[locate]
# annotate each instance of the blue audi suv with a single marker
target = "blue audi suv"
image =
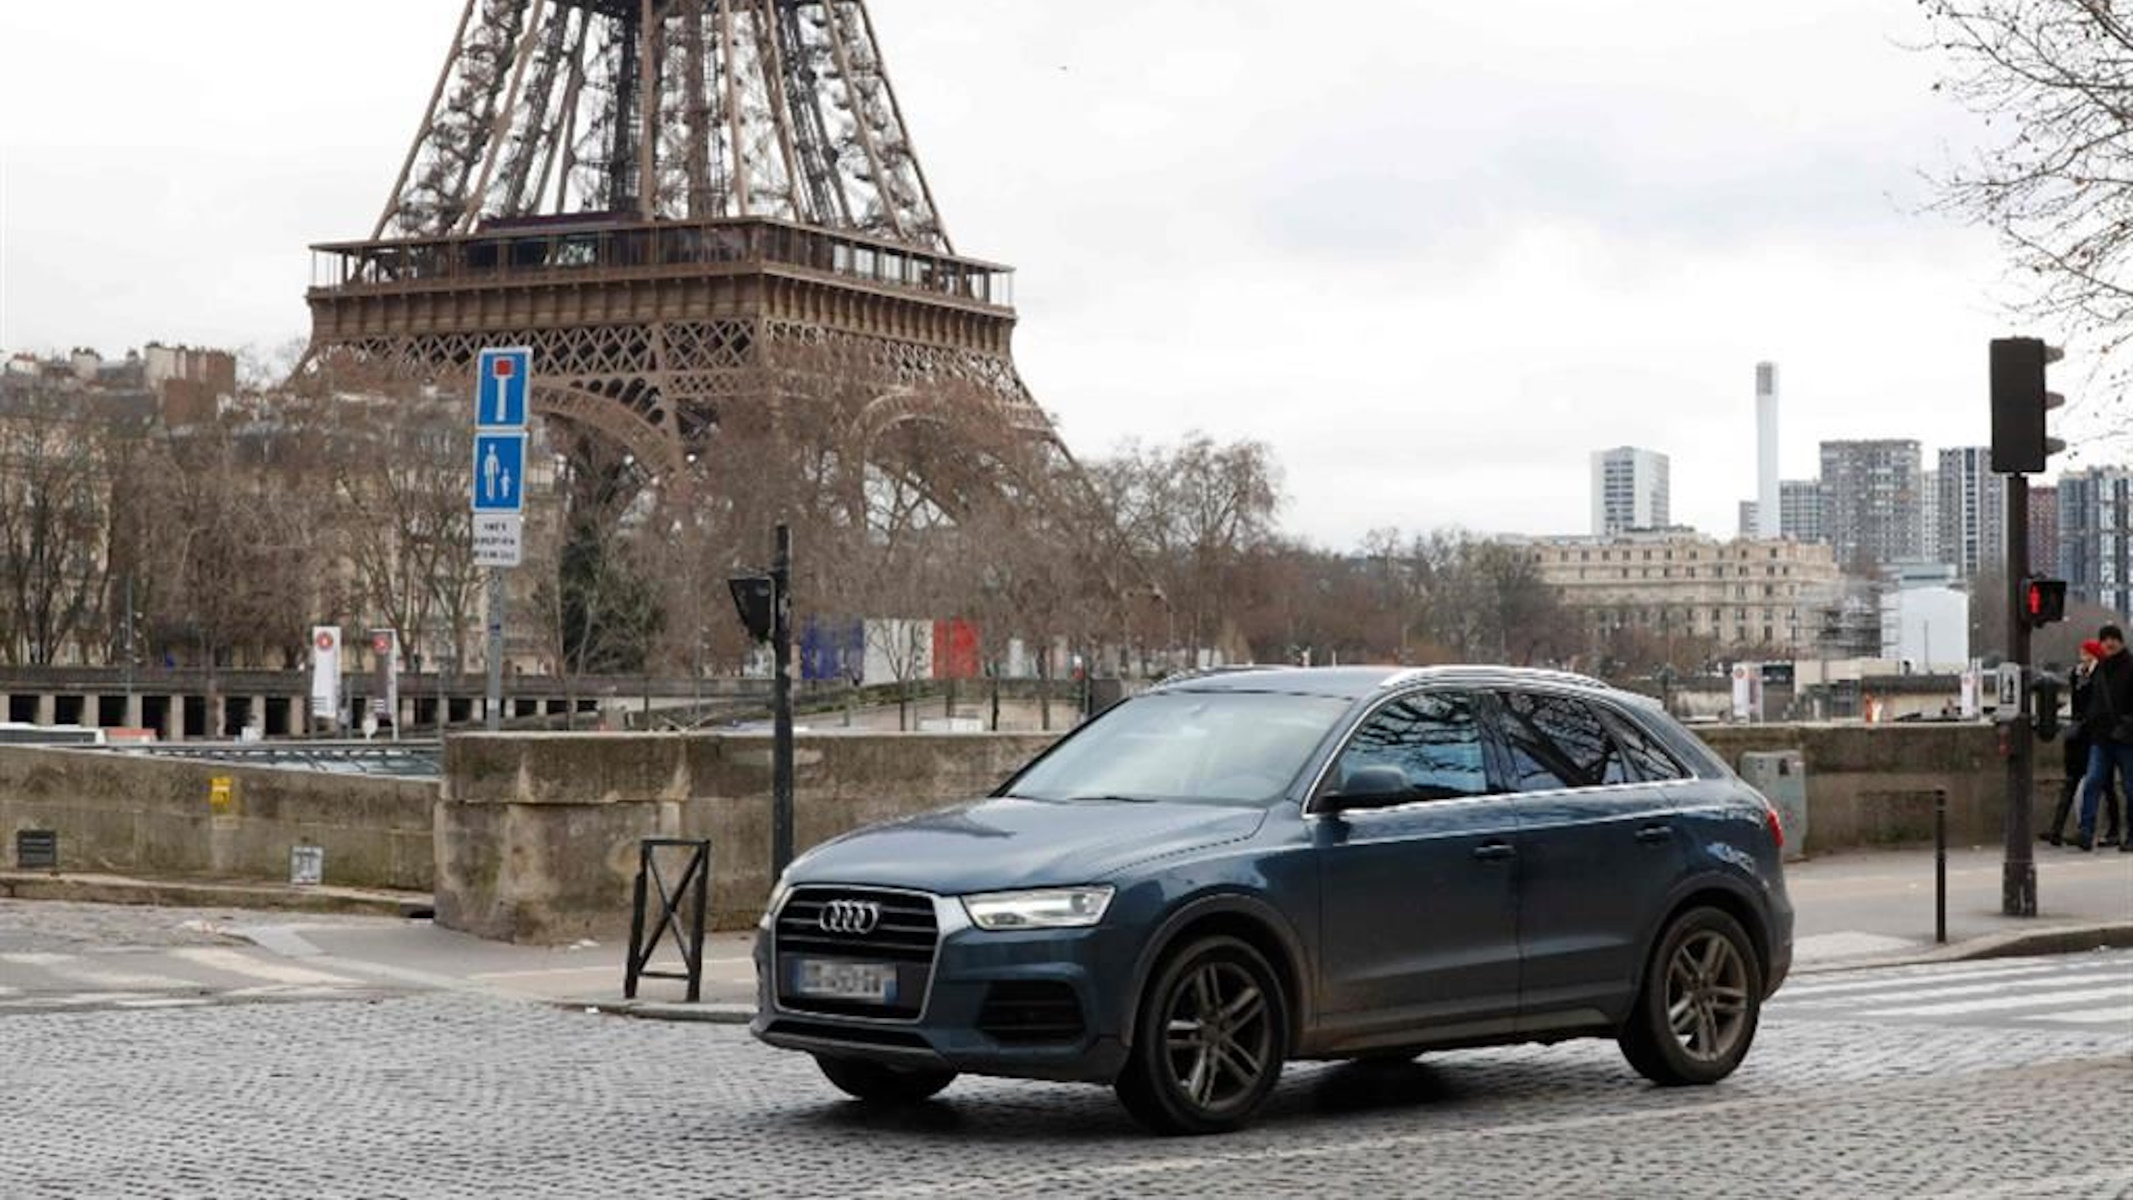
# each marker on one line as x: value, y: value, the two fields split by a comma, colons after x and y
x: 1248, y: 867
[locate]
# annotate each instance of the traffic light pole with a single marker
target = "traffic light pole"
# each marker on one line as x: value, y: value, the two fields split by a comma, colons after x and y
x: 2018, y: 885
x: 781, y: 816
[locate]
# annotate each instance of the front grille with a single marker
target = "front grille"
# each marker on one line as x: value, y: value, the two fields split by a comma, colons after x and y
x: 905, y: 938
x: 1031, y: 1012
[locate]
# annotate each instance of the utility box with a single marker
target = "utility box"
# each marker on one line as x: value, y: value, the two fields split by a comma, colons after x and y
x: 1781, y: 776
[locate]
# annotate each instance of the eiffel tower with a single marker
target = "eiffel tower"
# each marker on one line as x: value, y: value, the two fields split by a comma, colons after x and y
x: 707, y: 219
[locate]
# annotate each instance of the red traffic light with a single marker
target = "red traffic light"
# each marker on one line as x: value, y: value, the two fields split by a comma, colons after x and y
x: 2045, y: 601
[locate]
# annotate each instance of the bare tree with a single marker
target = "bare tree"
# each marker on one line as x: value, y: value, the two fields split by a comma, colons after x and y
x: 400, y: 463
x: 1194, y: 514
x: 51, y: 529
x: 2053, y: 78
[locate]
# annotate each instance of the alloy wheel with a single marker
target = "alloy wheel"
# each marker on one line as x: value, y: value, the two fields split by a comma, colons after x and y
x: 1218, y: 1035
x: 1707, y: 996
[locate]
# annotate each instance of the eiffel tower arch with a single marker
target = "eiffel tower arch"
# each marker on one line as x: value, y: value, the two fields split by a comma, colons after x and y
x: 708, y: 220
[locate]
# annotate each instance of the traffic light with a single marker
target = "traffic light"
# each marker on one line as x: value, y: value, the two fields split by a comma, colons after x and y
x: 2020, y: 400
x: 2045, y: 602
x: 755, y: 597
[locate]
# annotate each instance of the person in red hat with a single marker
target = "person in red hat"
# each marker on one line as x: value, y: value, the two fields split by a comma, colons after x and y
x: 2075, y: 743
x: 2109, y: 727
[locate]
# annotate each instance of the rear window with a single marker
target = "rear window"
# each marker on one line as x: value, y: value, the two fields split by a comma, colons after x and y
x: 1646, y: 755
x: 1559, y: 742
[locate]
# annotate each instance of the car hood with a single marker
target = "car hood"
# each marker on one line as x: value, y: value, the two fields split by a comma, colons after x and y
x: 1008, y: 842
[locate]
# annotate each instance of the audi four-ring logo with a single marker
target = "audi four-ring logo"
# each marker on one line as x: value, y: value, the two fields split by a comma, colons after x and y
x: 849, y: 916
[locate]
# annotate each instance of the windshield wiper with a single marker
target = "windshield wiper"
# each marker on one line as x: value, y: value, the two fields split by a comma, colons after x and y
x: 1114, y: 799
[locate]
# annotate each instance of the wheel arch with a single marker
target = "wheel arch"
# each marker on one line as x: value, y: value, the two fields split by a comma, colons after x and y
x: 1250, y: 921
x: 1727, y: 898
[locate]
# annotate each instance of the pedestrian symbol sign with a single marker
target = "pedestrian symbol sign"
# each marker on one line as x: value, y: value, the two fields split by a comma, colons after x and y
x: 506, y: 376
x: 500, y: 473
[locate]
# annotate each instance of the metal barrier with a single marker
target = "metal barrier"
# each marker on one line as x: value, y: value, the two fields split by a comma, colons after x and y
x: 692, y: 888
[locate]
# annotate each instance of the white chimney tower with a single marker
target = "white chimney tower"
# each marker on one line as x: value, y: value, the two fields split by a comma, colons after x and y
x: 1768, y: 510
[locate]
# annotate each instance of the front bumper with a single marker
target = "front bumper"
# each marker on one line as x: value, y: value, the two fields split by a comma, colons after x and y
x: 1095, y: 964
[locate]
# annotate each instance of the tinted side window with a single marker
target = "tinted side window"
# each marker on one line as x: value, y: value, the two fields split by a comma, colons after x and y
x: 1433, y: 740
x: 1644, y: 752
x: 1558, y: 742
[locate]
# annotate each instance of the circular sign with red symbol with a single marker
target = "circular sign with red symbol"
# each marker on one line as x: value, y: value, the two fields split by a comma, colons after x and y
x: 381, y: 643
x: 326, y: 640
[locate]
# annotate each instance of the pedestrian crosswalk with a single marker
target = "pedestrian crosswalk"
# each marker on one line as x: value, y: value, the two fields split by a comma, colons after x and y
x: 184, y: 977
x: 2079, y: 992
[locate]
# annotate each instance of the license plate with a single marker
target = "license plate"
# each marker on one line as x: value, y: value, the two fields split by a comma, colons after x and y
x: 826, y: 979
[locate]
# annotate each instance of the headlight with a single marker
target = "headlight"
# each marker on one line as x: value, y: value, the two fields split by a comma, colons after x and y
x: 1052, y: 908
x: 776, y: 902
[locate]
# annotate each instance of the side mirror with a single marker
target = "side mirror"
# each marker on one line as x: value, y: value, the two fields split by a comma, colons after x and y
x: 1362, y: 788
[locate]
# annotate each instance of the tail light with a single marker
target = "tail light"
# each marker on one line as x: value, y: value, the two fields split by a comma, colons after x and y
x: 1777, y: 824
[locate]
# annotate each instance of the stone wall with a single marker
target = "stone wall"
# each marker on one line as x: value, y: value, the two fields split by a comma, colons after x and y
x: 1874, y: 786
x: 125, y: 814
x: 537, y: 835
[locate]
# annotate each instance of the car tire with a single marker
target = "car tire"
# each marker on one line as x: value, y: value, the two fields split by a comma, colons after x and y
x: 1701, y: 1000
x: 879, y: 1083
x: 1213, y: 1032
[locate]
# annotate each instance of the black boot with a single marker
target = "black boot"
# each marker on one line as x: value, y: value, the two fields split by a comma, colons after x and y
x: 2051, y: 835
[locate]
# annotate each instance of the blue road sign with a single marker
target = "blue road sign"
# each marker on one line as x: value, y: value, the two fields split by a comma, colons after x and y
x: 500, y: 402
x: 500, y: 473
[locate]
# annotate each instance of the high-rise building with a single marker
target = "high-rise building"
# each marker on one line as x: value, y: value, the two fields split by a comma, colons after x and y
x: 2043, y: 531
x: 1768, y: 506
x: 1800, y: 510
x: 1871, y: 501
x: 1929, y: 518
x: 1969, y: 532
x: 1629, y: 491
x: 1750, y: 518
x: 2096, y: 537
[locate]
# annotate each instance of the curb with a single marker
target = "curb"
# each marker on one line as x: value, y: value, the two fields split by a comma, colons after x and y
x: 108, y: 889
x: 662, y: 1010
x: 2020, y: 943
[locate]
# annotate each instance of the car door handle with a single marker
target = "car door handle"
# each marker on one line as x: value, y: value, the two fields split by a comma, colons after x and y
x: 1494, y: 851
x: 1652, y: 835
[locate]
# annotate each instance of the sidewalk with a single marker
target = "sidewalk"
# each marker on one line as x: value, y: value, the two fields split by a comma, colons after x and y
x: 1876, y: 908
x: 1854, y: 910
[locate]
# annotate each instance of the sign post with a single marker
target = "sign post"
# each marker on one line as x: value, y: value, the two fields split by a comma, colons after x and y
x: 501, y: 404
x: 385, y: 703
x: 326, y: 674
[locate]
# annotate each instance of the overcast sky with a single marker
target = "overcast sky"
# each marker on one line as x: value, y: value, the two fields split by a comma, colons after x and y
x: 1433, y: 253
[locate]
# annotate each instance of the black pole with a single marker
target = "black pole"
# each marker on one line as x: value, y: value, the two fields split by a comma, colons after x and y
x: 1940, y: 866
x: 2018, y: 884
x: 781, y: 706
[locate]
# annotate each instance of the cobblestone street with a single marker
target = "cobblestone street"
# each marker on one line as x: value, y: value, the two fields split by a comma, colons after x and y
x: 439, y: 1095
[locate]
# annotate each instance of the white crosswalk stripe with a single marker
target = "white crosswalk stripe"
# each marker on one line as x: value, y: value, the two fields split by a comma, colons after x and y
x: 2116, y: 1015
x: 272, y: 970
x: 177, y: 978
x: 2002, y: 1003
x: 1884, y: 980
x: 2091, y: 993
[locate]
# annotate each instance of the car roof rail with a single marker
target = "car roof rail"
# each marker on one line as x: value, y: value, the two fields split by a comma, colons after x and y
x: 1209, y: 673
x: 1533, y: 674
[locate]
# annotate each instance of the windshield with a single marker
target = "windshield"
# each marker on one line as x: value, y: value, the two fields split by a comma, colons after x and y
x: 1196, y: 747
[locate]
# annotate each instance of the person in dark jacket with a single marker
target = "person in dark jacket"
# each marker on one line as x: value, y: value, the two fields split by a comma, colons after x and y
x: 2074, y: 744
x: 2110, y: 728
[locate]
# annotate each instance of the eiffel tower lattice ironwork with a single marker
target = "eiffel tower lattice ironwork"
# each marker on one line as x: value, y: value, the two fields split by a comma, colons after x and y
x: 703, y: 215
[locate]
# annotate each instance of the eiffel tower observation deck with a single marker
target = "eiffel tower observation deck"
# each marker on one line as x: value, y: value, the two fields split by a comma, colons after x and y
x: 703, y: 215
